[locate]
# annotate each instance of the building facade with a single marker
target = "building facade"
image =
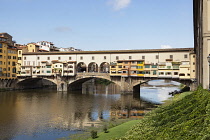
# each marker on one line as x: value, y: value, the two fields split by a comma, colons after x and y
x: 8, y: 57
x: 202, y: 40
x: 158, y: 63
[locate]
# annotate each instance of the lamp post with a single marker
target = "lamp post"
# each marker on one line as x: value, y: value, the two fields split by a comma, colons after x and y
x: 208, y: 58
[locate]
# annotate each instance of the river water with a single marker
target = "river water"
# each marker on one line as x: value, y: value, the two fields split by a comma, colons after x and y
x: 47, y: 115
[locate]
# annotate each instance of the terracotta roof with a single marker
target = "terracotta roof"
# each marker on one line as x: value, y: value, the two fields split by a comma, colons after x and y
x: 128, y: 60
x: 71, y: 61
x: 115, y: 51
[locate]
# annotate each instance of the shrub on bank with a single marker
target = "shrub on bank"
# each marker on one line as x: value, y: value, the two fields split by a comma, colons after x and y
x: 188, y: 118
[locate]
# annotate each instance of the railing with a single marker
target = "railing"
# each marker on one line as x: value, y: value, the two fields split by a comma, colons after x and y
x: 92, y: 74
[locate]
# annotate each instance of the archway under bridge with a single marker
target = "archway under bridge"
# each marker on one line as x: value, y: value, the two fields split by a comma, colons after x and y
x: 31, y: 83
x: 168, y: 82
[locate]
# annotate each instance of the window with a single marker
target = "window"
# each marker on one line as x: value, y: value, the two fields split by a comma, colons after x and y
x: 13, y: 63
x: 117, y: 57
x: 161, y: 66
x: 193, y: 63
x: 81, y: 58
x: 126, y: 62
x: 19, y: 52
x: 124, y: 72
x: 48, y: 71
x: 154, y: 72
x: 176, y: 73
x: 139, y: 67
x: 48, y: 58
x: 171, y: 56
x: 154, y: 66
x: 140, y: 62
x: 147, y: 72
x: 8, y: 68
x: 0, y: 50
x: 69, y: 58
x: 93, y: 58
x: 0, y: 45
x: 48, y: 66
x: 130, y: 57
x: 161, y: 73
x: 157, y: 56
x: 104, y: 57
x: 59, y: 58
x: 143, y: 57
x: 120, y: 66
x: 147, y: 66
x: 133, y: 62
x: 185, y: 56
x: 24, y: 58
x: 175, y: 67
x: 181, y: 74
x: 168, y: 67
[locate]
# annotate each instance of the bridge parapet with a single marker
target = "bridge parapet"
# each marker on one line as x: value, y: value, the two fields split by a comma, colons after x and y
x: 93, y: 74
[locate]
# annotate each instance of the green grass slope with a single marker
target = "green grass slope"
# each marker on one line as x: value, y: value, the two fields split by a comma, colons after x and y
x: 185, y: 119
x: 116, y: 131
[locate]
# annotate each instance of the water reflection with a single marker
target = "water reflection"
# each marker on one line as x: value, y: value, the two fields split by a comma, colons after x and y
x: 47, y: 115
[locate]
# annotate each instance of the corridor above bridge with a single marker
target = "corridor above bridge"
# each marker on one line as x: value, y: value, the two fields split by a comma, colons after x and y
x: 160, y: 63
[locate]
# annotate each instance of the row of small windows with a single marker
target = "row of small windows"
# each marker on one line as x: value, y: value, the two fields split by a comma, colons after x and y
x: 7, y: 74
x: 5, y: 69
x: 3, y: 39
x: 117, y: 57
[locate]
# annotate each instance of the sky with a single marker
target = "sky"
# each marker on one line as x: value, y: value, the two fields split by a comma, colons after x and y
x: 100, y: 24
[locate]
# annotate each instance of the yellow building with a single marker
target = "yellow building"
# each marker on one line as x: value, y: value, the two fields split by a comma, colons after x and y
x: 140, y: 68
x: 8, y: 57
x: 32, y: 47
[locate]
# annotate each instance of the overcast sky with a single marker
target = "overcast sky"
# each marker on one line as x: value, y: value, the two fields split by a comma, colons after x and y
x: 100, y: 24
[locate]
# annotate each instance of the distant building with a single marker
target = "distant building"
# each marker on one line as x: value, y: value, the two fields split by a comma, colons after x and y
x: 33, y: 47
x: 8, y: 57
x: 69, y: 49
x: 45, y: 46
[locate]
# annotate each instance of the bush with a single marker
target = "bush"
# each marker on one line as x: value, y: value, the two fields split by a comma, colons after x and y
x: 105, y: 129
x: 94, y: 134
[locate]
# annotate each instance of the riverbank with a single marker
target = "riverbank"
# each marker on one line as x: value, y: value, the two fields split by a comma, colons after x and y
x: 185, y: 117
x: 120, y: 130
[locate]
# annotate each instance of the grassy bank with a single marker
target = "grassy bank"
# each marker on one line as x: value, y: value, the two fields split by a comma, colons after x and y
x: 116, y: 131
x: 187, y: 117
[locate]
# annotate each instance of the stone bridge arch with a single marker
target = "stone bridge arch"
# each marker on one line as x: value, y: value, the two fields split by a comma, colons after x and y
x: 35, y: 82
x: 83, y: 77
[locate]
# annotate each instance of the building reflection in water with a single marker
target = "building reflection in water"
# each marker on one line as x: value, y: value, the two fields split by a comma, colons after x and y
x: 41, y: 111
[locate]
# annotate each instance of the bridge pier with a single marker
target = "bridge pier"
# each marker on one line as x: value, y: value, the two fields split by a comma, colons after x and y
x: 126, y: 85
x: 62, y: 86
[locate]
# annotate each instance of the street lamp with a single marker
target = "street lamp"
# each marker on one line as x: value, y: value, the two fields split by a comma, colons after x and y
x: 208, y: 58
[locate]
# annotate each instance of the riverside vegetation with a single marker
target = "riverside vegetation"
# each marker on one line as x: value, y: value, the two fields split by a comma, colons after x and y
x: 184, y: 119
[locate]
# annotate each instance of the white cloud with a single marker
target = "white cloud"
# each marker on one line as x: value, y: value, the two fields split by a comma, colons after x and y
x: 166, y: 47
x: 119, y: 4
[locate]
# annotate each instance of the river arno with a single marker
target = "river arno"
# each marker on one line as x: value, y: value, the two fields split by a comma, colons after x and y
x: 48, y: 115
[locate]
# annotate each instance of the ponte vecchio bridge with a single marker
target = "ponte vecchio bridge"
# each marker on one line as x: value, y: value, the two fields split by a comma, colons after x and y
x: 126, y: 68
